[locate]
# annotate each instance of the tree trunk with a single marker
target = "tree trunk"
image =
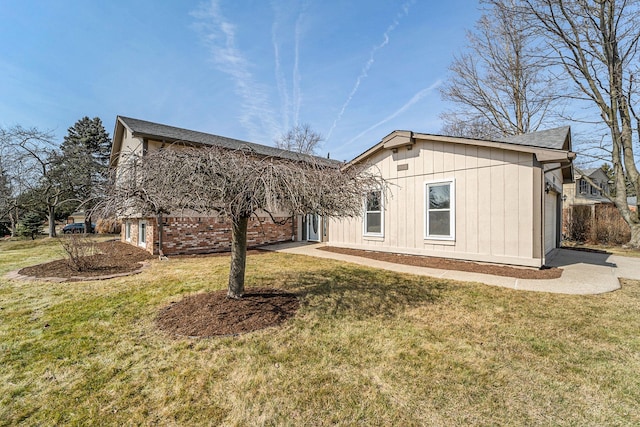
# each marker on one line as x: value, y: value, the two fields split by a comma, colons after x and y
x: 13, y: 216
x: 87, y: 224
x: 635, y: 236
x: 52, y: 221
x: 238, y: 257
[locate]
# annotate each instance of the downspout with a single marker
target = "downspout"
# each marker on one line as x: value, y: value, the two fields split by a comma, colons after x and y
x: 160, y: 242
x: 293, y: 227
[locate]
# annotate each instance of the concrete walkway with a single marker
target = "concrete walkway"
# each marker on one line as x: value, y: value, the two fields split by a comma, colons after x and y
x: 584, y: 273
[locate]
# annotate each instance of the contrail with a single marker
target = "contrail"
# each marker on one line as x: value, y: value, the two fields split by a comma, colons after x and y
x: 297, y: 95
x: 417, y: 97
x: 219, y: 35
x: 281, y: 81
x: 369, y: 63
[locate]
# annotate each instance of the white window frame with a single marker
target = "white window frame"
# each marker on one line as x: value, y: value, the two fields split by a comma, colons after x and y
x: 127, y: 231
x: 452, y: 209
x: 142, y: 242
x: 364, y: 216
x: 583, y: 186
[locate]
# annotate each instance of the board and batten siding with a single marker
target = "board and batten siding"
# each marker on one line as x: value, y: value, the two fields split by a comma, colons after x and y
x: 495, y: 193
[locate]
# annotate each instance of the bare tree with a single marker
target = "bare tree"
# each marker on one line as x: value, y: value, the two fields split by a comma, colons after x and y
x: 476, y: 128
x: 34, y: 158
x: 500, y: 85
x: 236, y: 184
x: 7, y: 199
x: 301, y: 139
x: 596, y: 44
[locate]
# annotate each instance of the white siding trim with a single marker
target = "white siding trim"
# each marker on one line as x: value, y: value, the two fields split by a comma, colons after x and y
x: 364, y: 216
x: 452, y: 207
x: 142, y: 225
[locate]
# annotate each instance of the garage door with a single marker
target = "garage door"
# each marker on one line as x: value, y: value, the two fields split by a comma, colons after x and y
x: 550, y: 201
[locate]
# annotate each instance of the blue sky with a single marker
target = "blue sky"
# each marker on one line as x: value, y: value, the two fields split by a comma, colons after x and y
x: 247, y: 69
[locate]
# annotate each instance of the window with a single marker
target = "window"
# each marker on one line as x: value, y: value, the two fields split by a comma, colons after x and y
x: 594, y: 190
x: 127, y: 231
x: 440, y: 210
x: 142, y: 233
x: 583, y: 186
x: 373, y: 215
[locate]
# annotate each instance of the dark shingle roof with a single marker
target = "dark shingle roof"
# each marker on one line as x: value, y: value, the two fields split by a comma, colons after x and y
x: 157, y: 131
x: 551, y: 138
x: 588, y: 172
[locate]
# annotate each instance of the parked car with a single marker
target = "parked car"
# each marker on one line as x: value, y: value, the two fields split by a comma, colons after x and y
x: 77, y: 227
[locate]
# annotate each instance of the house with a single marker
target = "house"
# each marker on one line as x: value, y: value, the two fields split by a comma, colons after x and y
x: 467, y: 199
x: 581, y: 192
x: 198, y: 233
x: 77, y: 216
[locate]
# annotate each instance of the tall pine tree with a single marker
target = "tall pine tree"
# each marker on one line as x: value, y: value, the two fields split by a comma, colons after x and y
x: 85, y: 160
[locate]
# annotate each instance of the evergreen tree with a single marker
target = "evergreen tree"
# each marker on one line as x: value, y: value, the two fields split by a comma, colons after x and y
x: 7, y: 201
x: 85, y: 161
x: 31, y: 225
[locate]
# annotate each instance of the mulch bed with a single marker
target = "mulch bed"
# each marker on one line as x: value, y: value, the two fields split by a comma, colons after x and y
x: 213, y: 314
x: 450, y: 264
x: 115, y: 258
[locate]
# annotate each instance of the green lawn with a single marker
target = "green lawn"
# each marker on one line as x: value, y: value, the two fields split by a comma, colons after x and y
x: 368, y: 347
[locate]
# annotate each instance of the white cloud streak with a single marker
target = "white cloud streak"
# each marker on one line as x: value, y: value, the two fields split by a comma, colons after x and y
x: 414, y: 99
x: 219, y: 36
x: 281, y: 81
x: 367, y: 66
x: 297, y: 94
x: 289, y: 91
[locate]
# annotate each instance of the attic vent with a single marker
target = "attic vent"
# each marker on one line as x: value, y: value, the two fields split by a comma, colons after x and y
x: 403, y: 167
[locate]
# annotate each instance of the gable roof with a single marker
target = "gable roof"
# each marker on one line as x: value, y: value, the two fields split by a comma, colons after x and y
x: 171, y: 134
x: 553, y: 145
x: 590, y: 172
x: 555, y: 139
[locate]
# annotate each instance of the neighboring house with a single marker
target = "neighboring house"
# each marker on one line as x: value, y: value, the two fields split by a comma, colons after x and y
x: 76, y: 217
x: 489, y: 201
x: 199, y: 233
x: 581, y: 192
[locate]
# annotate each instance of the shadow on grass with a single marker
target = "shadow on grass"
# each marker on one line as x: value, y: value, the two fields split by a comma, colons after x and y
x: 361, y: 293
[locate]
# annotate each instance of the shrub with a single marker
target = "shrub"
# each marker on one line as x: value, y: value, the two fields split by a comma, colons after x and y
x: 80, y: 252
x: 609, y: 227
x: 578, y: 223
x: 598, y: 224
x: 108, y: 226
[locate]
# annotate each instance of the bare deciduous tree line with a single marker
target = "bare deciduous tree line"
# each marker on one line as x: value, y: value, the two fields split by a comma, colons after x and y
x: 528, y: 58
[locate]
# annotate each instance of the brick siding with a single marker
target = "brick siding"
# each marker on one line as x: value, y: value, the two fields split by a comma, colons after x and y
x: 196, y: 235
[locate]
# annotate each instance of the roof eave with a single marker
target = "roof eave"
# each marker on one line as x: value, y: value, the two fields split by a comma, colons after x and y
x: 544, y: 155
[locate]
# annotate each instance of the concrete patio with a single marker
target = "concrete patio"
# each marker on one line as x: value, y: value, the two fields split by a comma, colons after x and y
x: 584, y: 273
